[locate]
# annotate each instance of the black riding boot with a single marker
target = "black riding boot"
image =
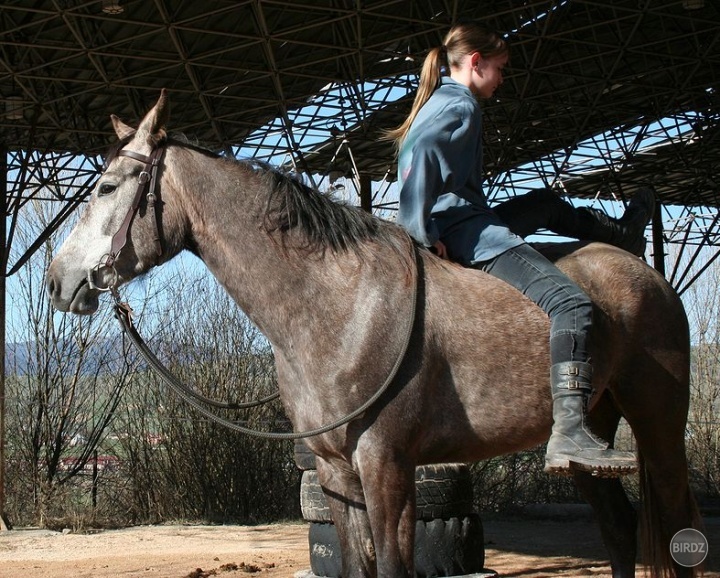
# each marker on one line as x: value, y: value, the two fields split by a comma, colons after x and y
x: 572, y: 444
x: 627, y: 232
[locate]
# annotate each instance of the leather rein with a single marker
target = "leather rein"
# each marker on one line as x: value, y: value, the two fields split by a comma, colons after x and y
x: 148, y: 186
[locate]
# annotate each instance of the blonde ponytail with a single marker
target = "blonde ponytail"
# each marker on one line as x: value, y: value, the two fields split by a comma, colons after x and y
x: 462, y: 39
x: 429, y: 80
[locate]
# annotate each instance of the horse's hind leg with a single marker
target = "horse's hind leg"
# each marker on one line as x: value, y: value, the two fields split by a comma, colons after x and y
x: 617, y: 519
x: 614, y: 512
x: 656, y: 406
x: 346, y: 499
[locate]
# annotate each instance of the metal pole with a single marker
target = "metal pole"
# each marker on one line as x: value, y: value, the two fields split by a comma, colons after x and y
x: 366, y: 193
x: 657, y: 241
x: 4, y: 524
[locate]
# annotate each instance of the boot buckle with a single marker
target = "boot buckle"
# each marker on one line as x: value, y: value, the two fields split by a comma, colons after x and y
x: 572, y: 384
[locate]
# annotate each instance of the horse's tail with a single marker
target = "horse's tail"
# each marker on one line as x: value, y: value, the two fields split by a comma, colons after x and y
x: 655, y: 541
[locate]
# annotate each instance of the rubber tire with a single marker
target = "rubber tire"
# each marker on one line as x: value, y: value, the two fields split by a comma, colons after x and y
x: 441, y: 491
x: 313, y: 503
x: 304, y: 458
x: 451, y: 547
x: 325, y: 556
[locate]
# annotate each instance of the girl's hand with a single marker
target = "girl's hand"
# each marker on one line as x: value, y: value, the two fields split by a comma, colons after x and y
x: 439, y: 249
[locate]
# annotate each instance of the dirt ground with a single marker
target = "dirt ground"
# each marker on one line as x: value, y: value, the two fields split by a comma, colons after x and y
x: 527, y: 547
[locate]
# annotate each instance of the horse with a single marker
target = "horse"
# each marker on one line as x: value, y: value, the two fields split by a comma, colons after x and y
x: 333, y: 289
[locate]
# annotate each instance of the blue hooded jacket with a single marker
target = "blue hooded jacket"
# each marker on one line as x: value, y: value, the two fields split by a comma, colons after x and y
x: 440, y: 176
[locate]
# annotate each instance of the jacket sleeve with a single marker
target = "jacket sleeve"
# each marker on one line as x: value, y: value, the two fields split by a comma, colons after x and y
x: 441, y: 159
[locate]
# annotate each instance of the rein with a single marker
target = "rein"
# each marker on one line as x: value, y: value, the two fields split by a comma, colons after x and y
x: 123, y: 313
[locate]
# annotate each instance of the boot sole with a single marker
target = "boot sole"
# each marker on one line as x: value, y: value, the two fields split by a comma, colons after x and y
x: 566, y: 467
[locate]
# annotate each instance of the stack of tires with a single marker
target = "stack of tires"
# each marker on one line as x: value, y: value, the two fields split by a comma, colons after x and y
x: 448, y: 532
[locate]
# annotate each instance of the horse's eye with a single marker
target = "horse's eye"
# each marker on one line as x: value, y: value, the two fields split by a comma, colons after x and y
x: 105, y: 189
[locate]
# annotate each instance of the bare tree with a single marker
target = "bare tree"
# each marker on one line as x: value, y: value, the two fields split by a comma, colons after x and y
x: 63, y: 388
x: 702, y: 303
x: 181, y: 464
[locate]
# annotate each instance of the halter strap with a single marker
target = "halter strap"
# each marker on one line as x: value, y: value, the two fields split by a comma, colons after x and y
x: 146, y: 180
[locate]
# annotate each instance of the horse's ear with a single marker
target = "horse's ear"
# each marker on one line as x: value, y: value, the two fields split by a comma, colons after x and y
x: 162, y: 113
x: 121, y: 129
x: 154, y: 122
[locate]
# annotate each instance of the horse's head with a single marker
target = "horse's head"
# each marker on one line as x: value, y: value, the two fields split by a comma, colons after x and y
x: 116, y: 238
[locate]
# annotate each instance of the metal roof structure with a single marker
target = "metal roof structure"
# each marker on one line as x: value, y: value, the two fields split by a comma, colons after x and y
x: 599, y: 96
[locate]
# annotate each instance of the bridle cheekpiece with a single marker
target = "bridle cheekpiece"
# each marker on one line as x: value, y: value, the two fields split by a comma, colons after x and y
x: 147, y: 186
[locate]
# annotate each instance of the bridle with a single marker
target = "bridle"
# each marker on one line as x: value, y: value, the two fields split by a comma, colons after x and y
x: 148, y: 186
x: 147, y: 180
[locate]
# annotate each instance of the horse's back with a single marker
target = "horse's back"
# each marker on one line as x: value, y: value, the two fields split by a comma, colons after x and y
x: 634, y: 305
x: 494, y: 343
x: 636, y: 310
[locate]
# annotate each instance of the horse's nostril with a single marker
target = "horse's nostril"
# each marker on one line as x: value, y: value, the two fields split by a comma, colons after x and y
x: 51, y: 285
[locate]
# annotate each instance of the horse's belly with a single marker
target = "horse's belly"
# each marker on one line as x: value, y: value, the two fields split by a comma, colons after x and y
x: 493, y: 397
x: 492, y: 421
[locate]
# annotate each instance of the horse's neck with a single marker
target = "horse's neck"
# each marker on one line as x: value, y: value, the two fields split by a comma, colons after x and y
x: 272, y: 288
x: 314, y: 308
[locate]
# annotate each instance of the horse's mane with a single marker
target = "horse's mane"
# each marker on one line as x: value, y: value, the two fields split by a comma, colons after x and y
x: 323, y: 222
x: 292, y: 206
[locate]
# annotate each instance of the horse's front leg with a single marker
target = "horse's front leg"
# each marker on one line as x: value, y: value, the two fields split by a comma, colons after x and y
x: 346, y: 499
x: 390, y: 497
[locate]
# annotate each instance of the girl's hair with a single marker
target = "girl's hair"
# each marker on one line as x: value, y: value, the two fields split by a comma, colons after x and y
x: 462, y: 39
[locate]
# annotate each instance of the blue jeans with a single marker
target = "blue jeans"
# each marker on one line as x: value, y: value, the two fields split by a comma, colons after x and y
x: 543, y: 209
x: 569, y: 308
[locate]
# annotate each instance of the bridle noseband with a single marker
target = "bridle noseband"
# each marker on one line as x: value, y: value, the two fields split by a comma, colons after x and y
x: 147, y: 186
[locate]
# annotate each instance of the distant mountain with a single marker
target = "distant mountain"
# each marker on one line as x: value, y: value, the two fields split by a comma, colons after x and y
x: 104, y: 357
x: 22, y: 358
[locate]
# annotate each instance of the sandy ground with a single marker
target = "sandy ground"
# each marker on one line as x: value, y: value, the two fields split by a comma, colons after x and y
x: 519, y: 547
